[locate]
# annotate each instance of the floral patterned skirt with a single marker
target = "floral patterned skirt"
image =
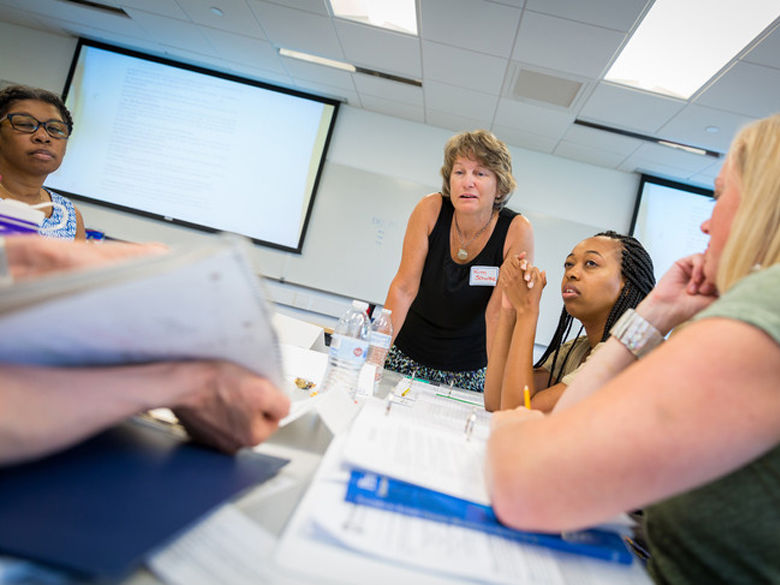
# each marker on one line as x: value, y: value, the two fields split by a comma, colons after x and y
x: 398, y: 361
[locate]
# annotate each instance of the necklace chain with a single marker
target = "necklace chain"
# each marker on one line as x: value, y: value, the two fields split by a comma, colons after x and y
x: 462, y: 252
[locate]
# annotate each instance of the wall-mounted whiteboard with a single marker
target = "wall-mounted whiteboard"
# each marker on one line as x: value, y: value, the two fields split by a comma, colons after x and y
x: 357, y: 230
x: 353, y: 247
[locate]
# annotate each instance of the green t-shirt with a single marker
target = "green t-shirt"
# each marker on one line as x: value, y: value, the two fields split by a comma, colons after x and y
x: 727, y: 531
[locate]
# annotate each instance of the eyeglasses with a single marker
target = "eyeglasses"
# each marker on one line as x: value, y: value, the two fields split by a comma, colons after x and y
x: 29, y: 125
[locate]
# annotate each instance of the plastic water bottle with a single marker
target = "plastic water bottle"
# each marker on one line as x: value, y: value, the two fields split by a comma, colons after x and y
x: 379, y: 342
x: 348, y: 350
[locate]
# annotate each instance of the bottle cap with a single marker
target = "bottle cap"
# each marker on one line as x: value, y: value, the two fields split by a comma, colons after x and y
x: 361, y: 306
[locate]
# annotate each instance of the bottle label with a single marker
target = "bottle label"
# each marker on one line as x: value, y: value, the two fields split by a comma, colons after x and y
x: 381, y: 339
x: 349, y: 349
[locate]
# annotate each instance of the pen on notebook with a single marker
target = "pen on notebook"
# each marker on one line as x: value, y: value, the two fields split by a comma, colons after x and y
x: 527, y: 397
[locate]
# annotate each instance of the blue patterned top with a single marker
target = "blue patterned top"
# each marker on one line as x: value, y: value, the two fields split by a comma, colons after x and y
x: 68, y: 231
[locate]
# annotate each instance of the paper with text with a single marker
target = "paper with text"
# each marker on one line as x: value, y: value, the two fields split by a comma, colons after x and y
x: 202, y: 302
x: 347, y: 543
x: 227, y: 547
x: 407, y: 444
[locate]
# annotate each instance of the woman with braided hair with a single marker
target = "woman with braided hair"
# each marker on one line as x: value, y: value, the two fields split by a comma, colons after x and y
x: 604, y: 275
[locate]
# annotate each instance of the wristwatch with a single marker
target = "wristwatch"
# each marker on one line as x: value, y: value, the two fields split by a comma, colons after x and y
x: 638, y: 335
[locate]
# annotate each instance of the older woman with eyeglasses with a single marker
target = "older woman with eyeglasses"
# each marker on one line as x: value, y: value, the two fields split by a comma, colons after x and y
x: 34, y: 130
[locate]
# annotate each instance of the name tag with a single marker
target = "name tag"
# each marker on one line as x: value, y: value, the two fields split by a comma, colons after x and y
x: 483, y: 276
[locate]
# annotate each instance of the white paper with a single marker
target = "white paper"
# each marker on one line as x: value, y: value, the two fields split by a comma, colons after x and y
x: 227, y: 547
x: 437, y: 546
x: 346, y: 543
x: 403, y: 443
x: 336, y: 409
x: 205, y: 302
x: 296, y: 332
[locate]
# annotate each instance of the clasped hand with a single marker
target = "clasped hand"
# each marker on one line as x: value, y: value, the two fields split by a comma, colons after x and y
x: 521, y: 284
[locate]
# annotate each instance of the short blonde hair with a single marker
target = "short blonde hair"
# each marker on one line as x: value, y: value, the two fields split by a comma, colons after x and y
x: 755, y: 231
x: 484, y: 147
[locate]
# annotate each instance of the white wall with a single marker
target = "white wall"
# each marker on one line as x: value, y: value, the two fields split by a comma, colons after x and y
x: 390, y: 148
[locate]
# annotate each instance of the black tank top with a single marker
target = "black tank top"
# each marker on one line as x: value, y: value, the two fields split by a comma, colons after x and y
x: 445, y: 326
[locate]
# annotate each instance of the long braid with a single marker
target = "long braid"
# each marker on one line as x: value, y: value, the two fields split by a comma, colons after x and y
x: 636, y: 267
x: 554, y: 347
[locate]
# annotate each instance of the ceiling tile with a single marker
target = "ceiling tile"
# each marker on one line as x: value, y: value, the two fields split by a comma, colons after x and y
x: 606, y: 141
x: 454, y: 122
x: 736, y: 91
x: 615, y: 14
x: 531, y: 118
x: 473, y: 70
x: 523, y: 139
x: 462, y: 57
x: 689, y: 127
x: 629, y: 109
x: 594, y: 156
x: 298, y: 30
x: 172, y: 32
x: 767, y: 52
x: 380, y: 50
x: 460, y: 101
x: 315, y: 6
x: 393, y: 108
x: 563, y: 45
x: 260, y: 74
x: 241, y: 49
x: 139, y: 41
x: 163, y: 7
x: 392, y: 90
x: 706, y: 178
x: 318, y: 73
x: 348, y: 96
x: 663, y: 157
x: 515, y: 3
x: 471, y: 24
x: 236, y: 16
x: 27, y: 19
x: 87, y: 17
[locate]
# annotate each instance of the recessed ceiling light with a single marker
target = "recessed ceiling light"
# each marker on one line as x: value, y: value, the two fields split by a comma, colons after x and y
x: 395, y: 15
x: 317, y: 60
x: 347, y: 67
x: 217, y: 11
x: 681, y: 44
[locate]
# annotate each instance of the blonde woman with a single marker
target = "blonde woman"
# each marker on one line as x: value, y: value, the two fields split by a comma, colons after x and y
x: 691, y: 431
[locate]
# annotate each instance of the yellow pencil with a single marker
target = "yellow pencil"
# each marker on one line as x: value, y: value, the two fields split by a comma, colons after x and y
x: 527, y: 397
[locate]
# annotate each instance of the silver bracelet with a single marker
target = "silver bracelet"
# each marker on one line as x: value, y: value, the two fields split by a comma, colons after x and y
x: 638, y: 335
x: 5, y: 270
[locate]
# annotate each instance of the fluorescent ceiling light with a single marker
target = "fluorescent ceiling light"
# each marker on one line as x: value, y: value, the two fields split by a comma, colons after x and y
x: 348, y: 67
x: 686, y: 148
x: 318, y: 60
x: 681, y: 44
x: 395, y: 15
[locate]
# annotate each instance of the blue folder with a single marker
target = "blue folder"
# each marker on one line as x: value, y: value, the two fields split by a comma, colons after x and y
x: 378, y: 491
x: 99, y: 508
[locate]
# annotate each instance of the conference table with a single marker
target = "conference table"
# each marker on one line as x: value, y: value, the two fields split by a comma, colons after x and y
x: 274, y: 543
x: 276, y: 507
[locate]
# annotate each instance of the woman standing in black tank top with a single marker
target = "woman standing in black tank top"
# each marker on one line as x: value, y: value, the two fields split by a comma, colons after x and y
x: 443, y: 296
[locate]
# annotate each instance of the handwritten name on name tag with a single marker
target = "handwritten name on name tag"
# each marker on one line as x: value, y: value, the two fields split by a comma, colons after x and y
x: 483, y: 276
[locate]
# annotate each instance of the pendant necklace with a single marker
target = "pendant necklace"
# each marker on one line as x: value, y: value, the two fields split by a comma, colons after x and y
x: 462, y: 253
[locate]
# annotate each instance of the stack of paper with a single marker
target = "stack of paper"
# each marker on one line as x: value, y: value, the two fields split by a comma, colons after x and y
x: 200, y: 302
